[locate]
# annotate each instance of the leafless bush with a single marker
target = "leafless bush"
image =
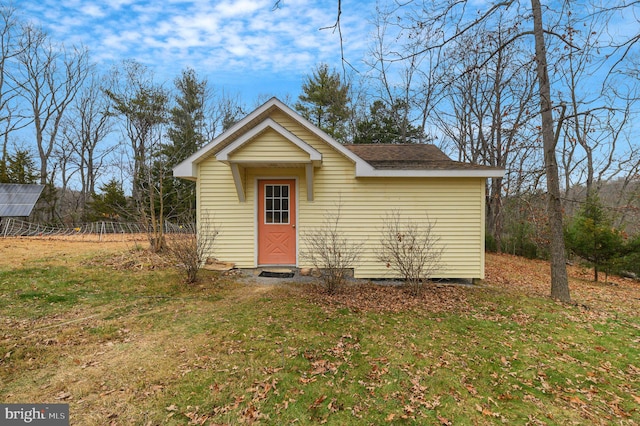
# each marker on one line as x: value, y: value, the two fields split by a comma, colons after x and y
x: 330, y: 252
x: 411, y: 249
x: 190, y: 248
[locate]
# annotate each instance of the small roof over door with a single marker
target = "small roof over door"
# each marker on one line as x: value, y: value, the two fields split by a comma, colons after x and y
x: 281, y: 149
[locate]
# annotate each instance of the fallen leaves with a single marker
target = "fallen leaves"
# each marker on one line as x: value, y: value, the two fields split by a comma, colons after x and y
x: 369, y: 354
x: 533, y: 277
x: 323, y: 366
x: 486, y: 411
x: 63, y: 396
x: 370, y: 297
x: 132, y: 260
x: 317, y: 403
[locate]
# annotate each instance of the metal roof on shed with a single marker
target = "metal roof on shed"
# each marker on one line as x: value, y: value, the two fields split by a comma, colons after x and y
x: 18, y: 199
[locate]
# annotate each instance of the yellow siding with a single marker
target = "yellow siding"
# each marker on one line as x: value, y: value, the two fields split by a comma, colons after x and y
x: 455, y: 205
x: 218, y: 199
x: 271, y: 146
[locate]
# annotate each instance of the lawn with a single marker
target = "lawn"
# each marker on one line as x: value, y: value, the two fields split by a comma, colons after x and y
x: 111, y: 330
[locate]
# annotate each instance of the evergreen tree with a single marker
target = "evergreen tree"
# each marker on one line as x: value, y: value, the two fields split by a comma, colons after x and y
x: 21, y: 168
x: 591, y: 236
x: 111, y: 204
x: 186, y: 119
x: 186, y: 123
x: 4, y: 176
x: 629, y: 261
x: 388, y: 125
x: 325, y: 102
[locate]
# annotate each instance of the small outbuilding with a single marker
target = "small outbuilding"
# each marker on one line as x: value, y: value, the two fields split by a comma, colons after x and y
x: 274, y: 176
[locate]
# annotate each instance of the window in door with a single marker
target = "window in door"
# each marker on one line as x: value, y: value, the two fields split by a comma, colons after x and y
x: 276, y: 202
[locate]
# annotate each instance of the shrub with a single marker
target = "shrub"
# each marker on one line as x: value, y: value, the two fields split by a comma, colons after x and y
x: 591, y: 236
x: 490, y: 244
x: 411, y: 249
x: 190, y: 249
x: 330, y: 252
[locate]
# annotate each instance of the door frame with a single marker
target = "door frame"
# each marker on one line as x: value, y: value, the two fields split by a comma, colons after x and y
x: 257, y: 213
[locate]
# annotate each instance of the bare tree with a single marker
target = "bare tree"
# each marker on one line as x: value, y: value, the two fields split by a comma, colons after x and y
x: 49, y: 77
x: 410, y: 248
x: 559, y: 277
x: 451, y: 20
x: 594, y: 126
x: 486, y: 110
x: 222, y: 111
x: 11, y: 118
x: 401, y: 69
x: 62, y: 159
x: 85, y: 130
x: 142, y: 105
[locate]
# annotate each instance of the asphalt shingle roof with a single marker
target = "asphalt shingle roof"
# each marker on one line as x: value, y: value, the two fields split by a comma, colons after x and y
x: 409, y: 157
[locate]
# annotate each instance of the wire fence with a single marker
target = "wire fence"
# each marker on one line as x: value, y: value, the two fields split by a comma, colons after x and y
x: 10, y: 227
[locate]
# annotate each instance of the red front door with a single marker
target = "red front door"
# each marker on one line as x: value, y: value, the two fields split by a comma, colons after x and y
x: 277, y: 222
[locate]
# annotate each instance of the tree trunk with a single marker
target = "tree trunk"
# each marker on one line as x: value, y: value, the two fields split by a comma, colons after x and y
x: 559, y: 278
x: 495, y: 212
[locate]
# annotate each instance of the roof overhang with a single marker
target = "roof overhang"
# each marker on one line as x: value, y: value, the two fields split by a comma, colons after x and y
x: 225, y: 155
x: 446, y: 173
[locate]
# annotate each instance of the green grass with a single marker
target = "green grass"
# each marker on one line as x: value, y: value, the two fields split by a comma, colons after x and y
x: 138, y: 347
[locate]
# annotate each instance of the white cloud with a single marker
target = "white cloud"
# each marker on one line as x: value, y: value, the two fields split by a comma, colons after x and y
x: 228, y: 9
x: 243, y: 37
x: 92, y: 10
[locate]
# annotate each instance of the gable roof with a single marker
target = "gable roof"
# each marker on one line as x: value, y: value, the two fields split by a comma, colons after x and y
x: 369, y: 160
x: 188, y: 168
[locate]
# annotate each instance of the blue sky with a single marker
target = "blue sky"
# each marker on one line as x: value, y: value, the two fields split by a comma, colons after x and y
x: 244, y: 47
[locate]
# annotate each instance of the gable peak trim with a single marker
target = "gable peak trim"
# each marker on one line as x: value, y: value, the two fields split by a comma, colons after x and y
x: 268, y: 123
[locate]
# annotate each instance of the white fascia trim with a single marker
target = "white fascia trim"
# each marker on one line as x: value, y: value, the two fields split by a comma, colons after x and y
x: 185, y: 170
x: 188, y: 170
x: 430, y: 173
x: 223, y: 155
x: 360, y: 163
